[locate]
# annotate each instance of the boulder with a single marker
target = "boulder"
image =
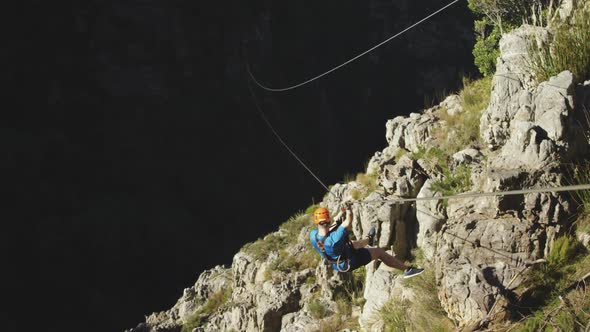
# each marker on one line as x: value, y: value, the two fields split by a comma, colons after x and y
x: 411, y: 133
x: 430, y: 216
x: 452, y: 104
x: 381, y: 285
x: 512, y: 85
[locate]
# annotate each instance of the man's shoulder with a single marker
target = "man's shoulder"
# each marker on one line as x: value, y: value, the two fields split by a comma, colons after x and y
x: 312, y: 233
x: 340, y: 230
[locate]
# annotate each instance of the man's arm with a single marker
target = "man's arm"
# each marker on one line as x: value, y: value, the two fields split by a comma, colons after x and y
x: 348, y: 221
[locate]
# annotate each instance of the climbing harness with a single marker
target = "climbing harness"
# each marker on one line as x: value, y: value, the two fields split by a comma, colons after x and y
x: 350, y: 60
x: 340, y: 259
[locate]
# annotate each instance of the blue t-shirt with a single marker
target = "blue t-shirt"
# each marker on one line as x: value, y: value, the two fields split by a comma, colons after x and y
x: 335, y: 245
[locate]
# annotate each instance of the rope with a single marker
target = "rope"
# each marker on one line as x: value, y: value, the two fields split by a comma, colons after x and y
x: 415, y: 199
x: 484, y: 194
x: 351, y: 60
x: 263, y: 116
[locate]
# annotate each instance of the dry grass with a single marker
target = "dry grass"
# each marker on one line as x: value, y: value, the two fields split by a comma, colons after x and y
x: 368, y: 184
x: 461, y: 130
x: 425, y: 313
x: 562, y: 308
x: 215, y: 301
x: 569, y: 49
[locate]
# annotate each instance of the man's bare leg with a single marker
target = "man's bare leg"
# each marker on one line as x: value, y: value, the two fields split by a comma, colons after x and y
x: 387, y: 259
x: 360, y: 244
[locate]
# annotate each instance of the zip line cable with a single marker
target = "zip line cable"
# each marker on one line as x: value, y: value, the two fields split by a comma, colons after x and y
x: 269, y: 125
x: 415, y: 199
x: 484, y: 194
x: 350, y: 60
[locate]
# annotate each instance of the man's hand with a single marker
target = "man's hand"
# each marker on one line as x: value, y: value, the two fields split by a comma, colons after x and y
x: 348, y: 220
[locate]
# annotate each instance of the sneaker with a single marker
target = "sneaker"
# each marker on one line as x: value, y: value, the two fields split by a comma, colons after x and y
x: 412, y: 272
x: 372, y: 236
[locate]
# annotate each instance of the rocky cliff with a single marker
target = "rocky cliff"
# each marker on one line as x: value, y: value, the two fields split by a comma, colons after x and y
x: 477, y: 251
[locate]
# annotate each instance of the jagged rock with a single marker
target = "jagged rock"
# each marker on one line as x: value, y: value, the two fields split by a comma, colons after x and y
x: 466, y: 156
x: 452, y: 104
x: 512, y: 85
x: 584, y: 238
x: 566, y: 9
x: 402, y: 179
x: 430, y: 217
x: 476, y: 257
x: 411, y: 133
x: 486, y: 241
x: 274, y: 302
x: 476, y: 246
x: 380, y: 286
x: 381, y: 158
x: 240, y: 317
x: 296, y: 322
x: 546, y: 131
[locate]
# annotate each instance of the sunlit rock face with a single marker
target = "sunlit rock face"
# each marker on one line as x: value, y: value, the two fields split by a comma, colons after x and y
x: 477, y: 247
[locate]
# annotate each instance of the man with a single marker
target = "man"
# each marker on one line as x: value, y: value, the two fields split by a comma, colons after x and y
x: 334, y: 246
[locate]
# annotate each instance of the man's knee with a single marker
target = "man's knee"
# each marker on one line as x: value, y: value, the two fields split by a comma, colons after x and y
x: 376, y: 253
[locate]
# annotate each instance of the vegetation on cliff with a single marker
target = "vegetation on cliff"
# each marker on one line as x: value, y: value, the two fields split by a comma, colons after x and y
x: 568, y: 48
x: 474, y: 249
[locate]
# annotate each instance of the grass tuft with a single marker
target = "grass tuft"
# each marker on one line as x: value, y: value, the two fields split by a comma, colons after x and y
x: 580, y: 174
x: 425, y: 313
x: 559, y: 307
x: 274, y: 242
x: 287, y: 263
x: 338, y: 323
x: 569, y: 49
x: 453, y: 182
x: 369, y: 184
x: 215, y: 301
x: 461, y: 130
x: 317, y: 309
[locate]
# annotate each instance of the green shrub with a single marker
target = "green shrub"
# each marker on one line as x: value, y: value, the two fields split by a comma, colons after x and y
x: 550, y: 313
x: 502, y: 13
x: 354, y: 286
x: 394, y: 315
x: 455, y: 182
x: 475, y: 95
x: 369, y: 184
x: 544, y: 282
x: 399, y: 153
x: 461, y: 130
x: 293, y: 226
x: 261, y: 248
x: 274, y: 242
x: 215, y: 301
x: 337, y: 323
x: 563, y: 251
x: 434, y: 155
x: 493, y: 18
x: 343, y: 306
x: 423, y: 314
x: 486, y: 51
x: 569, y: 48
x: 317, y: 309
x: 288, y: 263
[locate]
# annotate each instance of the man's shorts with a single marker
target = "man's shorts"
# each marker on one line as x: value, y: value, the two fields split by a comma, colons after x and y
x: 359, y: 257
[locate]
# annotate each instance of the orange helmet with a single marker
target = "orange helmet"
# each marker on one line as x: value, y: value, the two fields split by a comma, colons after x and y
x: 320, y: 215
